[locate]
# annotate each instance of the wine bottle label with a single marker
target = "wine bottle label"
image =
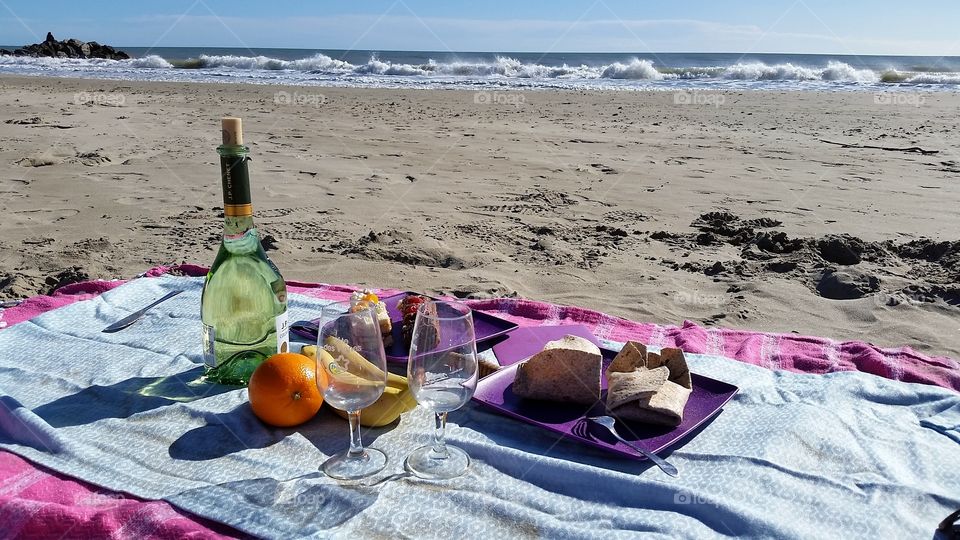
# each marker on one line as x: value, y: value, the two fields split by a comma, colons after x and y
x: 283, y: 333
x: 209, y: 353
x: 236, y: 186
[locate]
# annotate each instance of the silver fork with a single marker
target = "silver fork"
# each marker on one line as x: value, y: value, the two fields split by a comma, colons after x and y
x: 610, y: 423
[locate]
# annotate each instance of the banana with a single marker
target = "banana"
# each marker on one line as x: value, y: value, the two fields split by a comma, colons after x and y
x: 310, y: 351
x: 354, y: 357
x: 396, y: 399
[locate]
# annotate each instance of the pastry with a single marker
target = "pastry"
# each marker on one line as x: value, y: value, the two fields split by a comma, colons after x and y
x: 566, y: 370
x: 487, y: 366
x: 365, y: 299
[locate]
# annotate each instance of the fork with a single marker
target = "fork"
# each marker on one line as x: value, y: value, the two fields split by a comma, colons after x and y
x: 610, y: 423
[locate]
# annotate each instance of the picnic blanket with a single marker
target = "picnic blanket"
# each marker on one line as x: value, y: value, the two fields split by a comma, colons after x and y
x: 791, y: 455
x: 792, y: 352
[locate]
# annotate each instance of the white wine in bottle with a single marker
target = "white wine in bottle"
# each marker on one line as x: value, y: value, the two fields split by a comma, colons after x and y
x: 244, y: 304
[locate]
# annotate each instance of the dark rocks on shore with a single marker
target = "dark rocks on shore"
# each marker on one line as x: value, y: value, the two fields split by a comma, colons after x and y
x: 75, y: 274
x: 834, y: 266
x: 70, y: 48
x: 841, y: 249
x: 846, y: 284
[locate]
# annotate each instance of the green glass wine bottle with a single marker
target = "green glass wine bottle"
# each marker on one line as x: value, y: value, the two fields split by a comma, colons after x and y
x: 244, y: 302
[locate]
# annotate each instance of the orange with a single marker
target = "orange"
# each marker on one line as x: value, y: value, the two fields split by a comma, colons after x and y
x: 283, y: 390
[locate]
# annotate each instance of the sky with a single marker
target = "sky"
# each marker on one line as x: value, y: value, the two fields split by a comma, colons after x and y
x: 918, y: 27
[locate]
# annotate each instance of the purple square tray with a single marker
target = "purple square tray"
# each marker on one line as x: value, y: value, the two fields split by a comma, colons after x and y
x: 570, y: 420
x: 485, y: 326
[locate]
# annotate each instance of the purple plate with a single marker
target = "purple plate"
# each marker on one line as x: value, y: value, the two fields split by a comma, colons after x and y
x: 486, y: 327
x: 570, y: 420
x: 525, y: 342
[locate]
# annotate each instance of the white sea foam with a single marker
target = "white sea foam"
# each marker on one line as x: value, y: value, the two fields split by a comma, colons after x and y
x: 835, y: 72
x: 151, y: 61
x: 636, y: 69
x: 934, y: 78
x: 502, y: 66
x: 499, y: 71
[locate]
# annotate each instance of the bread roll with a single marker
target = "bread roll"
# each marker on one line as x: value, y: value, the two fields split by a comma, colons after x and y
x: 566, y: 370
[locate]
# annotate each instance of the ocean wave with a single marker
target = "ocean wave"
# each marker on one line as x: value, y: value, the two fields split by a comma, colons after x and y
x: 500, y: 70
x: 504, y: 66
x: 318, y: 62
x: 635, y: 69
x: 834, y: 72
x: 151, y: 61
x: 934, y: 78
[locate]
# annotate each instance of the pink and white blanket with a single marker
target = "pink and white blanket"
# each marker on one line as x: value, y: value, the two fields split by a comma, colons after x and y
x: 35, y: 502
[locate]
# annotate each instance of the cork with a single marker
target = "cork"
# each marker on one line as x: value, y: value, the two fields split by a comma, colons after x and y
x: 232, y: 131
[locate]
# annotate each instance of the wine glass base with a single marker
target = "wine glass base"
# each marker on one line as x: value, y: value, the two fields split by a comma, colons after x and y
x: 427, y: 464
x: 343, y: 466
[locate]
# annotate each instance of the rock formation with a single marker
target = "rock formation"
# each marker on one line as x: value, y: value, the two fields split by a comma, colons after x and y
x: 71, y: 48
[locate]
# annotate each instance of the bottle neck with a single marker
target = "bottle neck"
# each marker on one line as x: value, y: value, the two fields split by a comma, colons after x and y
x: 235, y: 178
x: 237, y: 226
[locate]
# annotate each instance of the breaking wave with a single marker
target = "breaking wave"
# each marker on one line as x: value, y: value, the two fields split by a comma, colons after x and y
x: 498, y: 71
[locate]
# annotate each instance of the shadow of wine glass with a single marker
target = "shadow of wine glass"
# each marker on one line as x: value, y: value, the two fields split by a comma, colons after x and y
x: 239, y: 429
x: 128, y: 397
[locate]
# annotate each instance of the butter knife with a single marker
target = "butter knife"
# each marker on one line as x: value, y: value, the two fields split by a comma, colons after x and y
x: 136, y: 315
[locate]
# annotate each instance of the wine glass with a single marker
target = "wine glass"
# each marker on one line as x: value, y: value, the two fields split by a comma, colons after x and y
x: 351, y: 375
x: 442, y: 373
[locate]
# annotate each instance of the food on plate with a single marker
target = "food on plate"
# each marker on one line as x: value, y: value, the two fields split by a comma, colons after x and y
x: 648, y: 387
x: 566, y: 370
x: 365, y: 299
x: 283, y: 390
x: 486, y: 366
x: 408, y: 310
x: 396, y: 399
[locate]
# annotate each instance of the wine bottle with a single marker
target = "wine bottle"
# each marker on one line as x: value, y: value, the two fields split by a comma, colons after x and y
x: 244, y: 302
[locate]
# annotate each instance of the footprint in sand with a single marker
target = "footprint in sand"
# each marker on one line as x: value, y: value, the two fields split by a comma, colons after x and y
x: 116, y: 176
x: 37, y: 161
x: 130, y: 201
x: 90, y: 159
x: 41, y: 216
x: 13, y: 183
x: 603, y: 168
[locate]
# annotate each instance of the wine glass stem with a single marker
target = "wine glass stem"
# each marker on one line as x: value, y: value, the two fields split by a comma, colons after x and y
x: 356, y: 446
x: 439, y: 444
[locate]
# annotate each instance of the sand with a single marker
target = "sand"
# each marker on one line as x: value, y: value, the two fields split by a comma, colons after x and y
x: 730, y: 210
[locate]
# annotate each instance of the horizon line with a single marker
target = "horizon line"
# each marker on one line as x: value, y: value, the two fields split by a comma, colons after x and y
x: 848, y: 54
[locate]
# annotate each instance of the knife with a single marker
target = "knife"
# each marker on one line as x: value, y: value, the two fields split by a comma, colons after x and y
x: 135, y: 316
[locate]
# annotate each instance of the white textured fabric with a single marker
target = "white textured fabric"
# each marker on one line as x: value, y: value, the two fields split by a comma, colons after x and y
x: 832, y: 456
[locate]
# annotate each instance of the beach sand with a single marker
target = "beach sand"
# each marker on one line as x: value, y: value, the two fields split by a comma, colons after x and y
x: 728, y: 211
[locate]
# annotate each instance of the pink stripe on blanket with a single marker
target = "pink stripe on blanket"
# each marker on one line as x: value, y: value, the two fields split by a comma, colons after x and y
x: 35, y: 503
x: 41, y: 504
x: 805, y: 354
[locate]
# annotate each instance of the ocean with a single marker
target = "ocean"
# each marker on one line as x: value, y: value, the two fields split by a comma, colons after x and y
x: 410, y: 69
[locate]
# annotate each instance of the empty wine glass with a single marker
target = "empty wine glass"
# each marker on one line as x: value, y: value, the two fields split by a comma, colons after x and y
x: 442, y: 374
x: 351, y: 375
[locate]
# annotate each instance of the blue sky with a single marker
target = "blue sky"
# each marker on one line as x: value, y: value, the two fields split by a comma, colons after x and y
x: 919, y: 27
